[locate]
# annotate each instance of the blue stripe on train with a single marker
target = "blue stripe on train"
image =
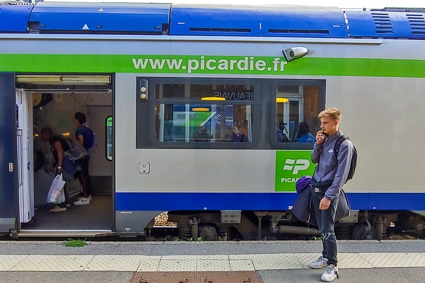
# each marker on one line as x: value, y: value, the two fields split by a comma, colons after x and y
x: 258, y: 201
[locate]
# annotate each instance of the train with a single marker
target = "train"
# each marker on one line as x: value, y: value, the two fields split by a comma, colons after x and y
x: 166, y: 88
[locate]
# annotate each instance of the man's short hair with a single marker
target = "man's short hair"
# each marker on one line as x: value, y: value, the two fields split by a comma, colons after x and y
x: 80, y: 117
x: 332, y: 113
x: 282, y: 125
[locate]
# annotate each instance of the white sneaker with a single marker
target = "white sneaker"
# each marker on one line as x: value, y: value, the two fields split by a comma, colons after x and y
x: 330, y: 274
x: 321, y: 262
x: 84, y: 197
x: 82, y: 201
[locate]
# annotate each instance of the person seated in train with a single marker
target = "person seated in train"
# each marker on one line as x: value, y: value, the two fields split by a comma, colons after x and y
x: 64, y: 165
x: 304, y: 134
x: 237, y: 136
x: 202, y: 135
x: 280, y: 133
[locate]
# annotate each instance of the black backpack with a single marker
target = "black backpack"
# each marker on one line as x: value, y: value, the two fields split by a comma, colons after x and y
x: 353, y: 164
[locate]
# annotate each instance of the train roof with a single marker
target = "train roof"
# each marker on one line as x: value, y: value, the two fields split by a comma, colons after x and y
x: 210, y: 20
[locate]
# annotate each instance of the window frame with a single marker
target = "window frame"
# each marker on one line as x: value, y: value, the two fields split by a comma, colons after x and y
x: 153, y: 101
x: 321, y: 86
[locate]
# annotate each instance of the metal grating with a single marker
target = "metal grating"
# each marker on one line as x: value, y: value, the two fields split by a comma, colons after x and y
x: 196, y: 277
x: 383, y: 24
x: 417, y: 23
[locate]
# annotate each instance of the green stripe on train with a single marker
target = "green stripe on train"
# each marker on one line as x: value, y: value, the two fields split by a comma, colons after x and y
x: 221, y: 65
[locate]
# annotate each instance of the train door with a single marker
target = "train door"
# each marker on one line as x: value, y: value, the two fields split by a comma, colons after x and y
x: 25, y: 162
x: 51, y: 101
x: 8, y: 156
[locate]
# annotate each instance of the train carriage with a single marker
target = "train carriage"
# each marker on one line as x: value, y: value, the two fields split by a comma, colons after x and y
x: 185, y: 101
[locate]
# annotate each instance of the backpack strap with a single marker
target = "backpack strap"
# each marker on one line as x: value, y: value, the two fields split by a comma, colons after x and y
x: 338, y: 143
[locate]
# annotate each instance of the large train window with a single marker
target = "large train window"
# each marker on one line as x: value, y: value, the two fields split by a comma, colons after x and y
x: 208, y: 113
x: 297, y: 107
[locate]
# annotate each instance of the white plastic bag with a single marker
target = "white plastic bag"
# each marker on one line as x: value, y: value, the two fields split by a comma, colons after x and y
x: 56, y: 193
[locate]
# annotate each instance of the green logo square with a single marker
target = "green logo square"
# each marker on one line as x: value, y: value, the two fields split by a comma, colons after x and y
x: 290, y: 166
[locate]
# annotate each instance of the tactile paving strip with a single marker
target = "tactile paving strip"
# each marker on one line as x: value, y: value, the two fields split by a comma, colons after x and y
x: 53, y: 263
x: 201, y: 263
x: 196, y: 277
x: 116, y: 262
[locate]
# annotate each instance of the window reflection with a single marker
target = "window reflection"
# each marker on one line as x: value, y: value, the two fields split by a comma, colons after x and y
x: 201, y: 118
x: 203, y: 123
x: 199, y: 91
x: 296, y: 113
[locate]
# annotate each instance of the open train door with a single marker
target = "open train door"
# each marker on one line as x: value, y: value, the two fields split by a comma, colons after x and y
x: 8, y: 154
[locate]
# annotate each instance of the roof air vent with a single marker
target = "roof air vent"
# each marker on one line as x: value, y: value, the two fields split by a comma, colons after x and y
x: 383, y: 23
x: 417, y: 23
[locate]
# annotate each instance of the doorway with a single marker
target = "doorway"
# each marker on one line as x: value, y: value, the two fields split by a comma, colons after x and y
x: 51, y: 101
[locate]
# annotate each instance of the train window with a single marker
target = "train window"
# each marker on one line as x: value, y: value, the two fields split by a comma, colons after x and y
x: 209, y: 113
x: 109, y: 138
x: 296, y: 110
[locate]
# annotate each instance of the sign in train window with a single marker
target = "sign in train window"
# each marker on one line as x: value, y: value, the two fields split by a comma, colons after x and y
x: 203, y: 113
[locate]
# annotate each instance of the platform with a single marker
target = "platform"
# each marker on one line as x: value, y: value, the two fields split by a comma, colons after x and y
x: 225, y: 262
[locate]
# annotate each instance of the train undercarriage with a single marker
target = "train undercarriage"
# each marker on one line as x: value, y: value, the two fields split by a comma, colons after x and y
x: 274, y: 225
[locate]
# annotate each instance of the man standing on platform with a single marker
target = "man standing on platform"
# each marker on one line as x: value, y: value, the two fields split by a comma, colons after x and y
x: 328, y: 178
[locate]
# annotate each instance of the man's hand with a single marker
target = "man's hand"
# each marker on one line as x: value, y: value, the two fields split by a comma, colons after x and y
x: 324, y: 203
x: 320, y: 137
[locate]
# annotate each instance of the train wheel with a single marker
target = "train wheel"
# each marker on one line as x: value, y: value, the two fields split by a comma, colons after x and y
x: 364, y: 231
x: 208, y: 233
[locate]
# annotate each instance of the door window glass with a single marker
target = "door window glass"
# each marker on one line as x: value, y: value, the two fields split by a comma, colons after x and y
x: 296, y: 113
x: 109, y: 138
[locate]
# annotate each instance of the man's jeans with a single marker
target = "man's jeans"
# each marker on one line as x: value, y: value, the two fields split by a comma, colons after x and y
x: 326, y: 223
